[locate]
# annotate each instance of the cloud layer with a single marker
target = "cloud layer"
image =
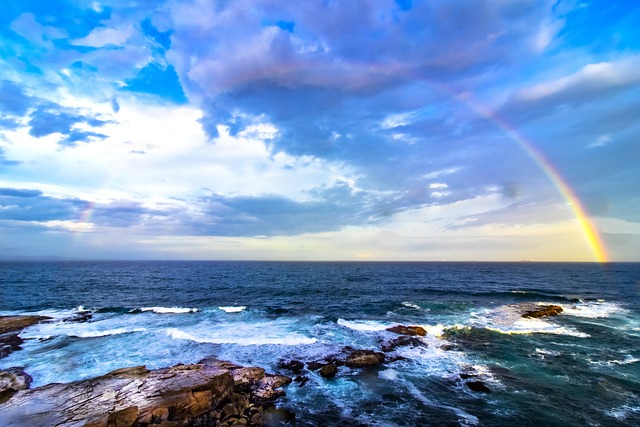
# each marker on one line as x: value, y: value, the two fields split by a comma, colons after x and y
x: 263, y: 121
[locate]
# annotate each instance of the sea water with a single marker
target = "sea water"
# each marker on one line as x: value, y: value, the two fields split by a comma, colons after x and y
x: 581, y: 367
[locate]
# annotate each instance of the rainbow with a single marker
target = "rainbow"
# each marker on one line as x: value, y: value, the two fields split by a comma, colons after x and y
x: 589, y: 230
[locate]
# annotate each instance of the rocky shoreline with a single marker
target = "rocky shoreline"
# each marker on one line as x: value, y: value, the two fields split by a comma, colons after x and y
x: 211, y: 392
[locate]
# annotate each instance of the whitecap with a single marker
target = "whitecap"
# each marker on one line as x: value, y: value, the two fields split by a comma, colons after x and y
x: 170, y: 310
x: 592, y: 309
x: 622, y: 412
x: 233, y: 309
x: 412, y: 305
x: 105, y: 333
x: 363, y: 325
x: 230, y: 337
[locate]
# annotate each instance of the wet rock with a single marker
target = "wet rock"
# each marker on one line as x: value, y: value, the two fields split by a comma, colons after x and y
x: 364, y: 358
x: 9, y: 343
x: 543, y: 311
x: 314, y: 365
x: 273, y: 417
x: 13, y: 380
x: 408, y: 330
x: 18, y: 323
x: 81, y: 317
x: 301, y: 380
x: 294, y: 366
x: 268, y: 388
x: 329, y: 371
x: 478, y: 386
x: 402, y: 341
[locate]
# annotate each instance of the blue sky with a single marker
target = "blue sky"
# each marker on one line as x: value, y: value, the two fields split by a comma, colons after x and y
x: 318, y: 130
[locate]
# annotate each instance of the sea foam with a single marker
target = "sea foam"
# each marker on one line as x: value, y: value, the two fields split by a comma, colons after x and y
x: 233, y: 309
x: 170, y: 310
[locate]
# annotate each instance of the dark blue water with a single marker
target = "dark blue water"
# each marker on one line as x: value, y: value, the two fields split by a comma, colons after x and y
x: 581, y: 367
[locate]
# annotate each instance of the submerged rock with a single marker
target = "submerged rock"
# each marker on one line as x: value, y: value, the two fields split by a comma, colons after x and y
x: 9, y: 343
x: 478, y: 386
x: 402, y: 341
x: 408, y: 330
x: 543, y: 311
x: 183, y: 395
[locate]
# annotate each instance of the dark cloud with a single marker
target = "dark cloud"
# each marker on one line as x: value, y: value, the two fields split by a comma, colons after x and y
x: 32, y: 205
x: 51, y: 118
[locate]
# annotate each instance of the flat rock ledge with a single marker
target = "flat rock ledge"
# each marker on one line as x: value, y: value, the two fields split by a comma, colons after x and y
x: 212, y: 393
x: 10, y: 327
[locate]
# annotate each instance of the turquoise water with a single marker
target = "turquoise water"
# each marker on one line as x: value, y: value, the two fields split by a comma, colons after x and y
x: 581, y: 367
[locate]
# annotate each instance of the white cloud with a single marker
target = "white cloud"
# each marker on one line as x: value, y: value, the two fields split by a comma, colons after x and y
x: 101, y: 37
x: 601, y: 141
x: 590, y: 78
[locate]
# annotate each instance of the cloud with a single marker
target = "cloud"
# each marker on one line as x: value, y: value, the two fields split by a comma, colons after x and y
x: 593, y: 82
x: 101, y: 37
x: 51, y: 118
x: 32, y: 205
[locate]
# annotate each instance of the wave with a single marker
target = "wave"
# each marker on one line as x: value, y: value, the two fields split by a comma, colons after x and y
x: 106, y: 332
x: 233, y: 309
x: 363, y: 325
x: 169, y: 310
x: 414, y: 306
x: 593, y: 309
x: 288, y: 340
x: 622, y: 412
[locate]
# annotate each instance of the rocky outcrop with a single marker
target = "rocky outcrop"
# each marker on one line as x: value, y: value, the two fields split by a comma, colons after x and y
x: 10, y: 326
x: 543, y: 311
x: 219, y: 394
x: 408, y: 330
x: 18, y: 323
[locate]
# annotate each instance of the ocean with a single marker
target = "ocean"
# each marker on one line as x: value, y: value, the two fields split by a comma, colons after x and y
x: 581, y: 367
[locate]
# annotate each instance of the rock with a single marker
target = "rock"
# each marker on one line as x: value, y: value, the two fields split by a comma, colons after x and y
x: 293, y: 365
x: 276, y: 417
x: 408, y: 330
x: 329, y: 371
x: 9, y: 343
x: 18, y: 323
x: 125, y: 397
x: 13, y: 380
x: 246, y: 378
x: 543, y: 311
x: 478, y: 386
x: 315, y: 365
x: 301, y: 380
x: 81, y: 317
x: 402, y: 341
x: 266, y: 389
x: 363, y: 358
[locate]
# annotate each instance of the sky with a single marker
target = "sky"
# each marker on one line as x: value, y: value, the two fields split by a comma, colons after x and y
x: 476, y: 130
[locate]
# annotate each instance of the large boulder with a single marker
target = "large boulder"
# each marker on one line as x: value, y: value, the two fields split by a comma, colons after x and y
x: 408, y: 330
x: 543, y: 311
